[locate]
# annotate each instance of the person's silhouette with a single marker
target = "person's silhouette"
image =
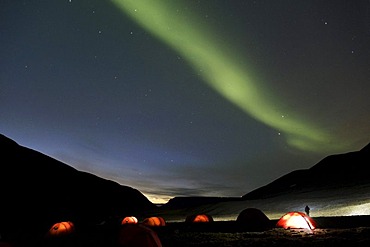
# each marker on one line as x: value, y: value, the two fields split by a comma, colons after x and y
x: 307, y: 210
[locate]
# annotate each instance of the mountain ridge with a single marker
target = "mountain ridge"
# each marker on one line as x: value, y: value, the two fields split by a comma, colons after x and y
x: 42, y: 189
x: 298, y: 181
x: 345, y: 169
x: 45, y: 190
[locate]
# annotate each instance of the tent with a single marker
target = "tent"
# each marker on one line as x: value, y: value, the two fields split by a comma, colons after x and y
x: 294, y: 219
x: 198, y: 218
x: 129, y: 220
x: 254, y: 219
x: 154, y: 221
x: 137, y: 235
x: 62, y: 228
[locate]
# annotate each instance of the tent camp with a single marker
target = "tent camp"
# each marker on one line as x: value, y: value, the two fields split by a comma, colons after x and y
x: 254, y: 219
x: 292, y: 220
x: 199, y: 218
x: 138, y: 235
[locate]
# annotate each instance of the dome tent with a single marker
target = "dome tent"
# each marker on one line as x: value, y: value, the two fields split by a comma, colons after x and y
x: 60, y: 229
x: 199, y: 218
x: 129, y: 220
x: 295, y: 219
x: 154, y: 221
x: 253, y: 219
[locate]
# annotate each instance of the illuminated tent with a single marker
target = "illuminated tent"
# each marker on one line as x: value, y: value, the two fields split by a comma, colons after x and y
x: 198, y: 218
x: 292, y: 220
x: 154, y: 221
x: 129, y: 220
x: 62, y: 228
x: 137, y: 235
x: 254, y: 219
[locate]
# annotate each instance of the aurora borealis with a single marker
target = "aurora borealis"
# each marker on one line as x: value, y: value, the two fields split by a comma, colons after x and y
x: 177, y: 98
x: 220, y: 70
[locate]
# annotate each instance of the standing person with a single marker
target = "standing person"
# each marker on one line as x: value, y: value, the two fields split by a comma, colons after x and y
x: 307, y: 210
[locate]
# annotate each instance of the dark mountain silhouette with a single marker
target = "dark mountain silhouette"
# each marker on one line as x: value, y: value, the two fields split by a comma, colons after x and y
x: 39, y: 189
x: 334, y: 171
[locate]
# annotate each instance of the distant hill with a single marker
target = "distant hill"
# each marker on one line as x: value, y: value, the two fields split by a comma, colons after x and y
x: 40, y: 190
x: 194, y: 201
x: 334, y: 171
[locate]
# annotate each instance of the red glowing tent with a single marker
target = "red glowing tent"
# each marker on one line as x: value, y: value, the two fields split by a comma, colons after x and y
x: 59, y: 229
x: 129, y: 220
x: 294, y: 219
x: 199, y: 218
x: 154, y: 221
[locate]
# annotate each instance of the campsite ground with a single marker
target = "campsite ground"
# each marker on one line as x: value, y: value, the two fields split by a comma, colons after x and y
x: 182, y: 235
x: 331, y: 231
x: 275, y: 237
x: 342, y: 217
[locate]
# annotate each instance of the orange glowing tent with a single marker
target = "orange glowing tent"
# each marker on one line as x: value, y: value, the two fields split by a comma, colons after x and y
x: 138, y: 235
x: 62, y: 228
x: 154, y: 221
x: 294, y: 219
x: 129, y: 220
x: 198, y: 218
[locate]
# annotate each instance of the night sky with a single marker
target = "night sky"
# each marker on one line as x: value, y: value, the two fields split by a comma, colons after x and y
x: 186, y: 98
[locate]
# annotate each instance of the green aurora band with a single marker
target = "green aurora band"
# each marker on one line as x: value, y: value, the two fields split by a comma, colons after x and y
x: 222, y: 72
